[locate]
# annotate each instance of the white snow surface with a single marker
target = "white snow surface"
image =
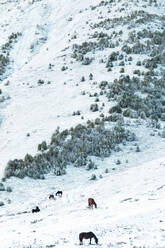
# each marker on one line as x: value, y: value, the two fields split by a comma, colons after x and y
x: 131, y: 197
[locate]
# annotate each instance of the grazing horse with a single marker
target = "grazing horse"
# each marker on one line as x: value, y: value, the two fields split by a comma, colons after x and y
x: 59, y: 193
x: 36, y: 210
x: 51, y: 197
x: 87, y: 235
x: 91, y: 202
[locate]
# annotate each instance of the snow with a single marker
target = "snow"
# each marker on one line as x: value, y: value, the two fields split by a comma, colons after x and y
x: 130, y: 198
x: 130, y: 209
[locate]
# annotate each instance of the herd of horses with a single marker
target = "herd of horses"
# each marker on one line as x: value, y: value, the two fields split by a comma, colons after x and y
x: 58, y: 193
x: 82, y: 235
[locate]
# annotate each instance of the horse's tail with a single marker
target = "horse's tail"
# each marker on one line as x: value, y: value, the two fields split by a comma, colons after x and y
x: 95, y: 204
x: 81, y: 237
x: 89, y: 202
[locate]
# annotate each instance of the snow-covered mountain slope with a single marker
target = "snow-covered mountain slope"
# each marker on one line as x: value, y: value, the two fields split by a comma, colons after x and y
x: 35, y: 109
x: 59, y: 60
x: 44, y: 51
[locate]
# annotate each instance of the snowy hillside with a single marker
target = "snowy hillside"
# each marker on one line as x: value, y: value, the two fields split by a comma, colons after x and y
x: 100, y: 64
x: 130, y: 209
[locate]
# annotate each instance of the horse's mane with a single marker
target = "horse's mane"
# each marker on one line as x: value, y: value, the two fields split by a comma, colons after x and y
x: 94, y: 236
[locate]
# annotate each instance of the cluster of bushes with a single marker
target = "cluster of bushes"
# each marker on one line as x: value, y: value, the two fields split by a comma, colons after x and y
x: 79, y: 52
x: 4, y: 61
x: 103, y: 41
x: 42, y: 82
x: 11, y: 40
x: 72, y: 146
x: 2, y: 188
x: 148, y: 104
x: 4, y: 56
x: 145, y: 42
x: 110, y: 22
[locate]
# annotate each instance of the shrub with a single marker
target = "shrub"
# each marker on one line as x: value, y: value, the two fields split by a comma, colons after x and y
x: 93, y: 177
x: 121, y: 63
x: 115, y: 109
x: 127, y: 113
x: 90, y: 76
x: 90, y: 165
x: 163, y: 133
x: 163, y: 116
x: 1, y: 203
x: 137, y: 149
x: 87, y: 61
x: 143, y: 115
x: 2, y: 187
x: 118, y: 162
x: 42, y: 146
x: 138, y: 63
x: 122, y: 70
x: 103, y: 84
x: 40, y: 82
x: 64, y: 68
x: 9, y: 189
x: 82, y: 79
x: 94, y: 107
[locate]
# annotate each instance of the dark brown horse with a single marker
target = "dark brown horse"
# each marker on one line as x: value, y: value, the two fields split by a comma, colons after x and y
x: 59, y: 193
x: 51, y: 197
x: 91, y: 202
x: 87, y: 235
x: 35, y: 210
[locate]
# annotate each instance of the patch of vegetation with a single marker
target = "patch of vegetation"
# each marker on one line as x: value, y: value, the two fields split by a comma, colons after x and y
x: 4, y: 56
x: 73, y: 146
x: 137, y: 98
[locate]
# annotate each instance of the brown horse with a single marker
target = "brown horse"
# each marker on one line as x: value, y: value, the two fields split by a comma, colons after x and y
x: 51, y: 197
x: 87, y: 235
x: 91, y: 202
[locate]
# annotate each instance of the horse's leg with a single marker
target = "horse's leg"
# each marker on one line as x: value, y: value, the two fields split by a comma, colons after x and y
x: 90, y: 241
x: 81, y: 242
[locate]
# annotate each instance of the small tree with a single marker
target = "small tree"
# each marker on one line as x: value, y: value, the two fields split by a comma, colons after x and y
x: 93, y: 177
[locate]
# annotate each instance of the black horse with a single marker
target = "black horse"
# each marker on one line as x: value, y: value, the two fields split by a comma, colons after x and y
x: 35, y: 210
x: 59, y: 193
x: 87, y: 235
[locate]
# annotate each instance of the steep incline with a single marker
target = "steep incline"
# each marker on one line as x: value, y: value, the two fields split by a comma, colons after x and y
x: 62, y: 54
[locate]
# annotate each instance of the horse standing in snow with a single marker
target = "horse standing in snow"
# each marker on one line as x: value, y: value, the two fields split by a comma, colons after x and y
x: 51, y: 197
x: 87, y: 235
x: 35, y: 210
x: 59, y: 193
x: 91, y: 202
